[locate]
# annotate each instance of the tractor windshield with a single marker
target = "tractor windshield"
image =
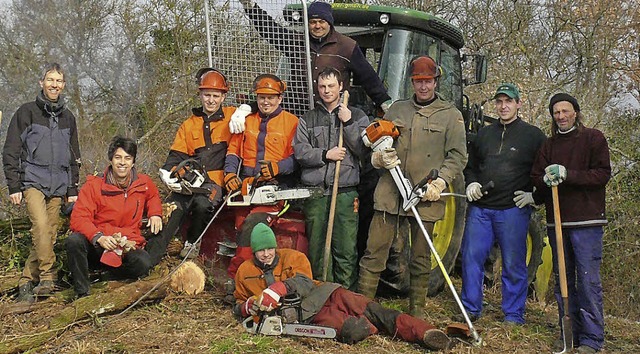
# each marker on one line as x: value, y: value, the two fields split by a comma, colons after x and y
x: 400, y: 46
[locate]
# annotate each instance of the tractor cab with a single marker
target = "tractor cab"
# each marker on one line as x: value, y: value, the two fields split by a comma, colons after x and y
x: 391, y: 37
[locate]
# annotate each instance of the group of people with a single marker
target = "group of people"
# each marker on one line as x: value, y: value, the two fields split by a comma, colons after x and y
x: 265, y: 142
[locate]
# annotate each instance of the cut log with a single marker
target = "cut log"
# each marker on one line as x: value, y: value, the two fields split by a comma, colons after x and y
x: 188, y: 278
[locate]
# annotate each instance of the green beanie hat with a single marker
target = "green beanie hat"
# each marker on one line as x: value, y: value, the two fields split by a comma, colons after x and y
x: 262, y: 237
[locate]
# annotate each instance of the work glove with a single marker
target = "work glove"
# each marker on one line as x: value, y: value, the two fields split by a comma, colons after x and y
x: 232, y: 183
x: 522, y: 199
x: 268, y: 169
x: 270, y: 297
x: 554, y: 175
x: 250, y: 307
x: 474, y: 191
x: 236, y: 124
x: 434, y: 188
x: 171, y: 183
x: 385, y: 105
x: 387, y: 159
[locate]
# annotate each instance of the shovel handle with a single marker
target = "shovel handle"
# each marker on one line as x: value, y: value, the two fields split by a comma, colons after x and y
x: 562, y: 269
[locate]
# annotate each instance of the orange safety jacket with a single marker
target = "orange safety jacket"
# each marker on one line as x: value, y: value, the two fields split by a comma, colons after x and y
x: 265, y: 138
x: 204, y: 138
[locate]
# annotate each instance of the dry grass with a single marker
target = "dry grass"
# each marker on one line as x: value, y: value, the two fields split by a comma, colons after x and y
x: 203, y: 324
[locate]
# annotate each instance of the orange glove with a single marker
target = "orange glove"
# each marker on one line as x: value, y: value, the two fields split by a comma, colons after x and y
x: 231, y: 182
x: 268, y: 169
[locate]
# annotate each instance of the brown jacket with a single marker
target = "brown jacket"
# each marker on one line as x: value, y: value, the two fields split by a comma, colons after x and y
x: 431, y: 137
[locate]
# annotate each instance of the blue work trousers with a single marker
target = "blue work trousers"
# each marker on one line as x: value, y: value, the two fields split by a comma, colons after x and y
x: 583, y: 256
x: 509, y: 227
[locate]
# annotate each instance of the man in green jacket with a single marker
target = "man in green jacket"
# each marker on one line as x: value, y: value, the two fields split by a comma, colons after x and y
x: 432, y: 136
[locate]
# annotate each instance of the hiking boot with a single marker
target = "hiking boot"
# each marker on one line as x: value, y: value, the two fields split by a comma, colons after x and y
x: 585, y: 349
x: 435, y: 339
x: 25, y: 293
x: 44, y: 287
x: 193, y: 247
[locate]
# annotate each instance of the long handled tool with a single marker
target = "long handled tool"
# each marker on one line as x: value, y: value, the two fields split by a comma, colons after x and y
x: 567, y: 330
x: 334, y: 196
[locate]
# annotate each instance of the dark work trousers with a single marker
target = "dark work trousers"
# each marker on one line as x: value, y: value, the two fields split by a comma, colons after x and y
x: 81, y: 255
x: 583, y: 256
x: 199, y: 209
x: 344, y: 304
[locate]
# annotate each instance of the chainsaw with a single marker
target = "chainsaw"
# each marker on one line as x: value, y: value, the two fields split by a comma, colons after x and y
x: 268, y: 194
x: 286, y: 320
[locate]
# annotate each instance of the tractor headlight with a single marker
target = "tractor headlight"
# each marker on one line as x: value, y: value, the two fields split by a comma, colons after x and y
x: 296, y: 16
x: 384, y: 19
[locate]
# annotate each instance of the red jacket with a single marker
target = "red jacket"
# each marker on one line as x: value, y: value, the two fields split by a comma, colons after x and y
x: 103, y: 207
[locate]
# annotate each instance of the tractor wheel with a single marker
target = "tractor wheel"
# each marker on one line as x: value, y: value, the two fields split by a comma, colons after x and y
x: 447, y: 236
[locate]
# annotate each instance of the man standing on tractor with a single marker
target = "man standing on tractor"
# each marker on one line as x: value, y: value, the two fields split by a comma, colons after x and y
x: 264, y: 150
x: 107, y: 217
x: 503, y: 153
x: 575, y: 159
x: 316, y: 149
x: 431, y: 137
x: 329, y: 48
x: 203, y: 138
x: 41, y: 158
x: 271, y: 274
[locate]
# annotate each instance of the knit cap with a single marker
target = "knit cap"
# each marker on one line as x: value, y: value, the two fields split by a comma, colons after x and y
x: 559, y: 97
x: 321, y: 10
x: 262, y: 237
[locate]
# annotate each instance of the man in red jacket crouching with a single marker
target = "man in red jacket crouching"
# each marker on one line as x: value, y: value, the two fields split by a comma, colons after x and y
x: 107, y: 217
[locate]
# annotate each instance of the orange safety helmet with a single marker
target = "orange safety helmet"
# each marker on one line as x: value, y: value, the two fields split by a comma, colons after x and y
x: 424, y: 67
x: 214, y: 80
x: 269, y: 85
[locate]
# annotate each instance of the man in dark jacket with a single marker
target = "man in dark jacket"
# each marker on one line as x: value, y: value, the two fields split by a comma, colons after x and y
x: 576, y: 159
x: 274, y: 273
x: 316, y: 149
x: 503, y: 153
x: 41, y: 157
x: 328, y: 48
x: 107, y: 217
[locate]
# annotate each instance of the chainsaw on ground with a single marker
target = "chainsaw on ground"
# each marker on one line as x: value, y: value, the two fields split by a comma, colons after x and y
x: 286, y: 320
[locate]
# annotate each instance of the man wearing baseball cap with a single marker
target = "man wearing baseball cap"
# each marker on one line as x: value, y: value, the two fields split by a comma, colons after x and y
x: 576, y: 160
x: 431, y: 137
x: 502, y: 152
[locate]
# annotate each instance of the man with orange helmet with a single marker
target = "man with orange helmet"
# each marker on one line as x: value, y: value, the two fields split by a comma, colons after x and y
x: 265, y: 148
x: 431, y: 137
x: 204, y: 137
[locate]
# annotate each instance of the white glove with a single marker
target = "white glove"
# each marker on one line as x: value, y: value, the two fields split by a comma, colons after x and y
x: 171, y: 183
x: 236, y: 124
x: 434, y: 189
x: 385, y: 105
x: 522, y: 199
x: 474, y: 191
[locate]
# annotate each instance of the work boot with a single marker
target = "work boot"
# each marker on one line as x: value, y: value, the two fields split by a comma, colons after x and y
x: 585, y: 349
x: 368, y: 284
x: 25, y: 293
x: 435, y: 339
x: 460, y: 317
x: 418, y: 296
x: 193, y: 247
x: 44, y: 287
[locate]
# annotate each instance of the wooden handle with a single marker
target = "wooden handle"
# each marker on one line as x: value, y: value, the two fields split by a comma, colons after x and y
x: 562, y: 269
x: 334, y: 195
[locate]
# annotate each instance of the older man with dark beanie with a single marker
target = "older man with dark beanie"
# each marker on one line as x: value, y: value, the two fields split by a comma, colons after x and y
x: 273, y: 273
x: 328, y: 49
x: 576, y: 160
